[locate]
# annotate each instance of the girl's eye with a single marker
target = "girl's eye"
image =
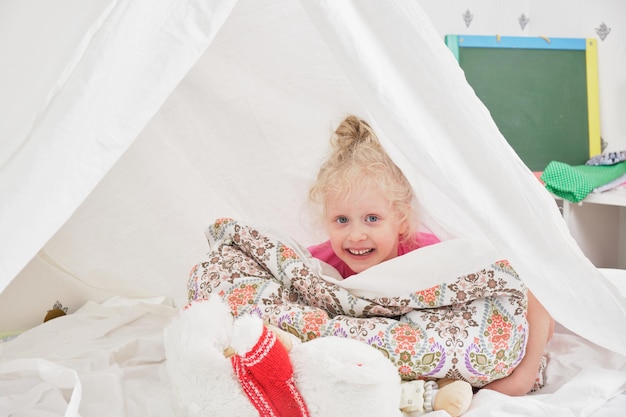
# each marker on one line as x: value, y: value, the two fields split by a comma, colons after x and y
x: 371, y: 218
x: 342, y: 219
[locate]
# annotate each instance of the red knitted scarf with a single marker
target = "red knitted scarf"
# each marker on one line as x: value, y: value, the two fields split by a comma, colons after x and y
x: 266, y: 375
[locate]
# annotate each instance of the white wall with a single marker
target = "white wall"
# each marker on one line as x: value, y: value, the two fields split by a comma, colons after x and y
x: 553, y: 18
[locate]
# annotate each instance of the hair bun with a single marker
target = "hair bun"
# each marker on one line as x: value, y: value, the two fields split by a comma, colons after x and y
x: 351, y: 133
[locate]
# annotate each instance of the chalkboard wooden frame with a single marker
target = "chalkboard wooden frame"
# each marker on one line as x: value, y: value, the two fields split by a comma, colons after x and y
x: 542, y: 93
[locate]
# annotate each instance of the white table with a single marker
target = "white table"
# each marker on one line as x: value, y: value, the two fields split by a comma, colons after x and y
x: 608, y: 223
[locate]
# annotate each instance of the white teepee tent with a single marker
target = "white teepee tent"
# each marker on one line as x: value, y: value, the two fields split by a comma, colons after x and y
x: 129, y: 126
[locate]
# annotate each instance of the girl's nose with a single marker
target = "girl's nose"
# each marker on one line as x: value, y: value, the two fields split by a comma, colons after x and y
x: 356, y: 234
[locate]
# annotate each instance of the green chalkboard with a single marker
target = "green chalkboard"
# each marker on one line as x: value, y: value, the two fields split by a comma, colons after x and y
x: 537, y: 91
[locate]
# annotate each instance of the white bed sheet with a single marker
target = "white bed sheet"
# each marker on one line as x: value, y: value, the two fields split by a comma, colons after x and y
x: 108, y: 360
x: 104, y: 360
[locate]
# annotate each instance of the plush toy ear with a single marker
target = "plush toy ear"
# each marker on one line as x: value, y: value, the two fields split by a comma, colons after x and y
x: 246, y: 333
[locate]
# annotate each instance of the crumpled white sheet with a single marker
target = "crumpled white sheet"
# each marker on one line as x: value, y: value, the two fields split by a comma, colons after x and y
x: 103, y: 360
x: 108, y: 360
x: 36, y: 384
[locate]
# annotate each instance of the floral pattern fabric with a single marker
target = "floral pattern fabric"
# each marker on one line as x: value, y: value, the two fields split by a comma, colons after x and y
x: 472, y: 327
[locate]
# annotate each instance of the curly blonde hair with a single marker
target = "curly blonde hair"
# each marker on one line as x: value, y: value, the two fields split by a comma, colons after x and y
x: 358, y: 159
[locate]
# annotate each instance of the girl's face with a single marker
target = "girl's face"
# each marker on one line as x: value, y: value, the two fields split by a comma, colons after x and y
x: 363, y: 229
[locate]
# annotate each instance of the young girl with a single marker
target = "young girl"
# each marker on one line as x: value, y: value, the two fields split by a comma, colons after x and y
x: 367, y: 208
x: 367, y: 204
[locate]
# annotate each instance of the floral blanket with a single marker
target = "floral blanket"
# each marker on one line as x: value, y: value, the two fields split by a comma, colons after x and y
x: 469, y: 326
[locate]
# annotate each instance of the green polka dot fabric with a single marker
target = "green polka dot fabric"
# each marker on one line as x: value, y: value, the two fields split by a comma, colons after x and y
x: 574, y: 183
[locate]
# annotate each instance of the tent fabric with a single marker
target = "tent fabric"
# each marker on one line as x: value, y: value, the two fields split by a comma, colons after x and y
x: 241, y: 136
x: 63, y: 130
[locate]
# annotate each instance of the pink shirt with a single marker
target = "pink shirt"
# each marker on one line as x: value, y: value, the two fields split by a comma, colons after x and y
x: 324, y: 252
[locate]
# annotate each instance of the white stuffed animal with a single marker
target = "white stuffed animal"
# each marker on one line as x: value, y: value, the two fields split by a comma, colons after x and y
x: 225, y: 367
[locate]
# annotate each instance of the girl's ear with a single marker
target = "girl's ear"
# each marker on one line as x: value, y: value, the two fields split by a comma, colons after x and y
x: 404, y: 226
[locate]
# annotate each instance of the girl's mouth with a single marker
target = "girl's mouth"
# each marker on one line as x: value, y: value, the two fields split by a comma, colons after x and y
x: 359, y: 252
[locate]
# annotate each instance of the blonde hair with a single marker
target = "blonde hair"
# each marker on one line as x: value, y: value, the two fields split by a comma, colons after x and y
x: 358, y: 159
